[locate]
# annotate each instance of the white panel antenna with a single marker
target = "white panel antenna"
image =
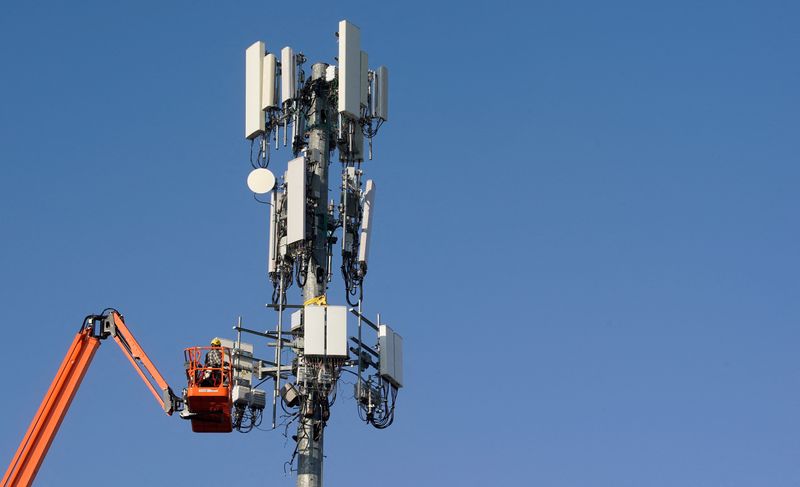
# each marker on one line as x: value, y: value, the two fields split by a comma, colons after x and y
x: 364, y: 80
x: 314, y: 330
x: 349, y: 208
x: 398, y: 360
x: 297, y: 319
x: 296, y: 203
x: 366, y: 221
x: 325, y: 331
x: 349, y: 69
x: 336, y: 331
x: 254, y: 72
x: 273, y: 233
x: 386, y: 351
x: 288, y: 74
x: 269, y: 95
x: 380, y: 98
x: 391, y: 355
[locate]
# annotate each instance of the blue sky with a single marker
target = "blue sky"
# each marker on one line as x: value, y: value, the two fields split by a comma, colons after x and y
x: 587, y: 235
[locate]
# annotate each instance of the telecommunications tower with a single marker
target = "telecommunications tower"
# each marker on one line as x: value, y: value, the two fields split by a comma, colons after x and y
x: 334, y: 108
x: 337, y: 108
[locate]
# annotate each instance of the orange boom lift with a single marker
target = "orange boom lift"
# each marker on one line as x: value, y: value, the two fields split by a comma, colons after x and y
x: 211, y: 413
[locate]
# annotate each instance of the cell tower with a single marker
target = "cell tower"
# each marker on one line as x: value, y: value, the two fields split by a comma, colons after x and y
x: 336, y: 108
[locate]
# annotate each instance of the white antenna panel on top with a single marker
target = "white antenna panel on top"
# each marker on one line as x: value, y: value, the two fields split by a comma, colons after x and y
x: 366, y: 221
x: 296, y: 201
x: 269, y: 94
x: 349, y: 69
x: 253, y: 77
x: 288, y: 73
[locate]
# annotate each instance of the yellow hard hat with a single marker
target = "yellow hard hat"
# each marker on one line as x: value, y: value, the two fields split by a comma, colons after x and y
x: 216, y: 342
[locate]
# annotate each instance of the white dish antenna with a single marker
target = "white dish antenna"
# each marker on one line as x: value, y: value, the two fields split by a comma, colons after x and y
x: 261, y: 180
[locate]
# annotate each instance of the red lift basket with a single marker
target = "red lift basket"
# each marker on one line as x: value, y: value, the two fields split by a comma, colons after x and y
x: 208, y: 395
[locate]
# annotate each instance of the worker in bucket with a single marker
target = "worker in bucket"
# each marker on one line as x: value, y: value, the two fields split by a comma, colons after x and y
x: 213, y: 361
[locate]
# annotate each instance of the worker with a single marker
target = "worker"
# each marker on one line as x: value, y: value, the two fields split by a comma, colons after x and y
x: 213, y: 372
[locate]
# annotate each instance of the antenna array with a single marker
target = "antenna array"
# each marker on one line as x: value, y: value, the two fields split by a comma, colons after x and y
x: 334, y: 108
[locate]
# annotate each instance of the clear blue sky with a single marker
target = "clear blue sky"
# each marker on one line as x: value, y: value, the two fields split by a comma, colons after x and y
x: 587, y: 235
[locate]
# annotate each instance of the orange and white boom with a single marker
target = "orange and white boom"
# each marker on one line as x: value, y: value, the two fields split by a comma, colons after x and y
x: 33, y: 448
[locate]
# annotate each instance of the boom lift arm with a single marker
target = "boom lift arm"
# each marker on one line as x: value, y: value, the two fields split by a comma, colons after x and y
x: 33, y: 448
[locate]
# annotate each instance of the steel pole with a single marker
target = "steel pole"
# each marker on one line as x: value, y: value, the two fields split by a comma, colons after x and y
x: 309, y: 431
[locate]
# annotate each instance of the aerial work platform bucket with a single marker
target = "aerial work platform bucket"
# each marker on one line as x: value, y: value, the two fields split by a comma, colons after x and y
x: 208, y: 395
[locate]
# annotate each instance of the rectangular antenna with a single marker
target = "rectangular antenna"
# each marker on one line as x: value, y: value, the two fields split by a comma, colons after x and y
x: 314, y: 330
x: 325, y: 331
x: 253, y: 74
x: 391, y: 355
x: 269, y: 95
x: 296, y: 203
x: 288, y: 73
x: 273, y: 229
x: 297, y: 319
x: 364, y: 80
x: 336, y: 331
x: 349, y: 69
x: 366, y: 221
x: 357, y: 154
x: 381, y: 97
x: 349, y: 208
